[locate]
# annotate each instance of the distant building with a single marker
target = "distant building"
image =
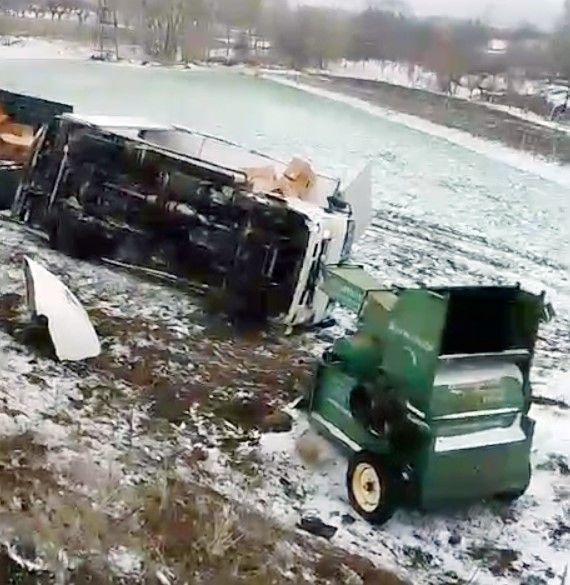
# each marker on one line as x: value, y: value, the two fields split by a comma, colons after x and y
x: 497, y: 46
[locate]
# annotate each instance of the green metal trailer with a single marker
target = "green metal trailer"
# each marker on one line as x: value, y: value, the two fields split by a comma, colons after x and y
x: 431, y: 396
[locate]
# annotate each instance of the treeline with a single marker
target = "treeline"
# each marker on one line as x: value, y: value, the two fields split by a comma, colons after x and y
x: 56, y: 9
x: 315, y: 36
x: 310, y: 36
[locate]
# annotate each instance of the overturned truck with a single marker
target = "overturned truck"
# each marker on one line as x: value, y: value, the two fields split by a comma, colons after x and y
x: 194, y: 206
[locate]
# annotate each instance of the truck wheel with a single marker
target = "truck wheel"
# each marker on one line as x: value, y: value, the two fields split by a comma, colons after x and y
x: 63, y: 239
x: 371, y: 487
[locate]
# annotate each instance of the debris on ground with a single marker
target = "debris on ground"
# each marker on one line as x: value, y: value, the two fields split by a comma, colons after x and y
x: 317, y: 527
x: 70, y: 329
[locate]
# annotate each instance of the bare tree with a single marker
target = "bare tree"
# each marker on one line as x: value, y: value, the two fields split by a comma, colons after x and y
x: 167, y: 23
x: 447, y: 60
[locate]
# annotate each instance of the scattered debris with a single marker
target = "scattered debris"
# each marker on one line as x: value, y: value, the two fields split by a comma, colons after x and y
x: 454, y: 539
x: 70, y: 329
x: 297, y: 180
x: 561, y: 532
x: 317, y: 527
x: 418, y: 557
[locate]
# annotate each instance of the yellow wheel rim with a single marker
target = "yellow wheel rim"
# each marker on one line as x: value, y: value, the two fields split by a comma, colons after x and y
x: 366, y: 487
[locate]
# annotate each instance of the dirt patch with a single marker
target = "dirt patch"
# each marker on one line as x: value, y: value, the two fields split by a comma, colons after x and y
x: 23, y: 477
x: 15, y: 321
x: 340, y: 567
x: 236, y: 378
x: 200, y: 534
x: 499, y: 561
x: 472, y: 117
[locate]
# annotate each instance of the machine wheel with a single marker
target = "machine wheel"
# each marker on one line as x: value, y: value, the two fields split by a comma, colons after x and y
x: 371, y: 485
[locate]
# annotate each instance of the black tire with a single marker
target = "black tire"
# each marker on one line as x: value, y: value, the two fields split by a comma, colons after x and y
x: 383, y: 487
x: 63, y: 238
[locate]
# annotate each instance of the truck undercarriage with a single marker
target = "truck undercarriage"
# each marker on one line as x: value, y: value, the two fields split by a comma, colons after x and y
x: 99, y: 195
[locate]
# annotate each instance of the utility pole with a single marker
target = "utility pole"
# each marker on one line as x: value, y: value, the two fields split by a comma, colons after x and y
x: 107, y: 44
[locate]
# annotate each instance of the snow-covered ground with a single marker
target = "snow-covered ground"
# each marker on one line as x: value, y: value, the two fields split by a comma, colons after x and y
x: 14, y: 47
x: 107, y: 427
x: 31, y: 48
x: 517, y: 159
x: 102, y: 434
x: 413, y: 76
x: 99, y: 435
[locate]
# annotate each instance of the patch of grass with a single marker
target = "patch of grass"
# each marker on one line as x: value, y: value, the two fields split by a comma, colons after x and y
x: 199, y: 533
x: 196, y: 533
x: 21, y: 449
x: 10, y: 312
x: 10, y: 306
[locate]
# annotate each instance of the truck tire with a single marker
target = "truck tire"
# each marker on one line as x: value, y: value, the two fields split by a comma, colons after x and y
x: 372, y: 489
x: 63, y: 238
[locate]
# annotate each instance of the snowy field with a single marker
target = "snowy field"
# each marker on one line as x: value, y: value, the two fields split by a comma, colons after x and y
x: 169, y: 390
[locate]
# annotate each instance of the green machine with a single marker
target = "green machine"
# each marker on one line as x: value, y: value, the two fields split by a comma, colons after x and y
x: 431, y: 395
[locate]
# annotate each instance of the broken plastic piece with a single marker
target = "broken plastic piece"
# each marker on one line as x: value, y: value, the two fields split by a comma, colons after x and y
x: 70, y: 329
x: 359, y: 195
